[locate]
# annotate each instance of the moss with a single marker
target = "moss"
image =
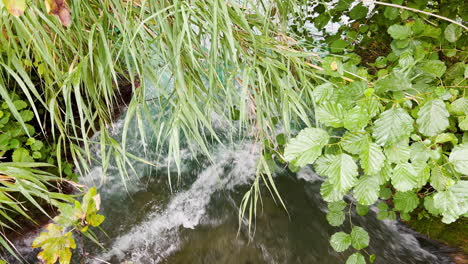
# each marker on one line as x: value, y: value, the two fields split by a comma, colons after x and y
x: 454, y: 235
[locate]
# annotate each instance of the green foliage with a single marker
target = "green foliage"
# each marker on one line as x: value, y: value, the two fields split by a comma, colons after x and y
x: 57, y: 244
x: 402, y: 124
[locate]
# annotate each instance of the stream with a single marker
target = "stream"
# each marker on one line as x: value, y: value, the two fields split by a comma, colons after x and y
x: 198, y: 221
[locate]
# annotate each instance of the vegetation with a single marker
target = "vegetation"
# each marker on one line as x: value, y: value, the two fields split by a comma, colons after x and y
x: 386, y: 114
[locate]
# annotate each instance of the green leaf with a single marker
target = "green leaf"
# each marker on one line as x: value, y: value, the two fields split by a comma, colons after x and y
x: 433, y: 118
x: 322, y: 92
x: 338, y: 46
x: 398, y: 152
x: 20, y: 104
x: 359, y: 238
x: 306, y: 147
x: 372, y: 158
x: 392, y: 126
x: 453, y: 202
x: 330, y: 193
x: 440, y: 178
x: 434, y: 67
x: 393, y: 82
x: 358, y: 12
x: 419, y: 152
x: 356, y: 258
x: 405, y: 201
x: 399, y: 31
x: 27, y: 115
x: 404, y: 177
x: 367, y: 189
x: 335, y: 218
x: 21, y: 155
x: 459, y: 106
x: 385, y: 193
x: 429, y: 205
x: 330, y: 114
x: 342, y: 172
x: 354, y: 142
x: 322, y: 163
x: 340, y: 241
x: 459, y: 158
x: 362, y: 209
x: 453, y: 32
x: 446, y: 137
x: 337, y: 206
x: 322, y: 20
x: 356, y: 119
x: 463, y: 123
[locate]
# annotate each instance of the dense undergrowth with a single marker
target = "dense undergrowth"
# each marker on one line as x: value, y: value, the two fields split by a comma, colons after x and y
x: 386, y: 113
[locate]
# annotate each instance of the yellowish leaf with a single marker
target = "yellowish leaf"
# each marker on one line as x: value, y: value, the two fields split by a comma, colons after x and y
x: 15, y: 7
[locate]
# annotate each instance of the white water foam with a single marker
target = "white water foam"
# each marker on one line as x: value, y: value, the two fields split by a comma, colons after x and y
x: 158, y: 235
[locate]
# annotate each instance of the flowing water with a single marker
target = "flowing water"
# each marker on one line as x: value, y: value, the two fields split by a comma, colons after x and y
x: 198, y: 221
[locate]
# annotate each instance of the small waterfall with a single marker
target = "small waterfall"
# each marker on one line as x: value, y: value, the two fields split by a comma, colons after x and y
x: 157, y: 236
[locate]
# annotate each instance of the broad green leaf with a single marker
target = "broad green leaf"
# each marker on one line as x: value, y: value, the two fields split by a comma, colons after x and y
x: 433, y: 118
x: 362, y: 209
x: 446, y: 137
x: 354, y: 142
x: 306, y: 147
x: 367, y: 189
x: 322, y: 92
x: 385, y: 193
x: 393, y: 82
x: 463, y: 123
x: 398, y: 152
x: 27, y: 115
x: 337, y: 206
x: 356, y: 258
x: 459, y: 106
x: 405, y: 201
x: 372, y: 106
x: 359, y: 238
x: 453, y: 202
x: 15, y: 7
x: 399, y: 31
x: 434, y: 67
x: 385, y: 173
x: 404, y: 177
x: 330, y: 114
x: 338, y: 46
x: 419, y: 152
x: 335, y: 218
x: 340, y: 241
x: 372, y: 158
x: 330, y: 193
x: 358, y: 12
x: 440, y: 178
x: 356, y: 119
x: 459, y: 158
x: 453, y: 32
x: 392, y: 126
x: 342, y: 172
x: 21, y: 155
x: 20, y: 104
x: 423, y: 172
x: 322, y: 164
x: 429, y: 205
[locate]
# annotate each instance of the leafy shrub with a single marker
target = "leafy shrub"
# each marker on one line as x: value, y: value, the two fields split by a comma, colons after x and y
x: 396, y: 128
